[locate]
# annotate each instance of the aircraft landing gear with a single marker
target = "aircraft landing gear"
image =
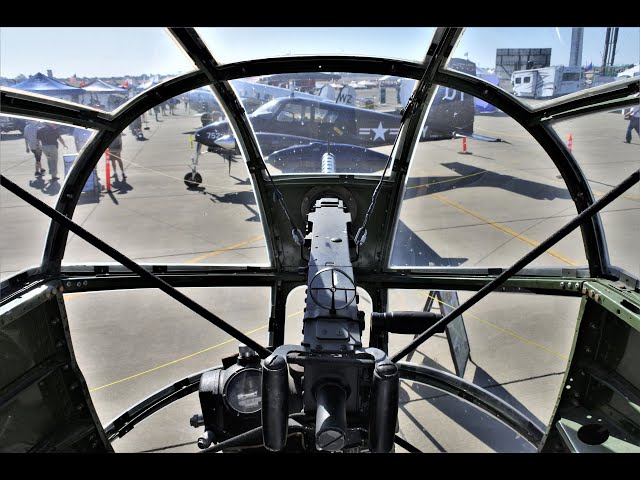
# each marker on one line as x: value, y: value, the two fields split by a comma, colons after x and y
x: 193, y: 178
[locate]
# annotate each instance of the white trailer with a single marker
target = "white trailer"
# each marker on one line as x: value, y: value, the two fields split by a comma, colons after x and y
x: 547, y: 82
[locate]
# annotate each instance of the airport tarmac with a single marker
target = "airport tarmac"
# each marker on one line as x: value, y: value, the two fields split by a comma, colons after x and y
x: 487, y: 207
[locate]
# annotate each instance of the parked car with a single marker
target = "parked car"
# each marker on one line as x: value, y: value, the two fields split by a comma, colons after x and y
x: 9, y: 124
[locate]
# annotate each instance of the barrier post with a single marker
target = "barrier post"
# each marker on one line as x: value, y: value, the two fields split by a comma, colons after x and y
x: 107, y: 167
x: 464, y: 147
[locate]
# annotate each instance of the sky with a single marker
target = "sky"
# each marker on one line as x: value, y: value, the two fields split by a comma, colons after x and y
x: 120, y: 51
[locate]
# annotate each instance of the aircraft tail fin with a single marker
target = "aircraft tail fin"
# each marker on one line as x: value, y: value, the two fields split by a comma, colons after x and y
x: 347, y: 96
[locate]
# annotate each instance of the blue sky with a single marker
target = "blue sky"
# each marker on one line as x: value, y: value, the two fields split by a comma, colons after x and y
x: 117, y: 51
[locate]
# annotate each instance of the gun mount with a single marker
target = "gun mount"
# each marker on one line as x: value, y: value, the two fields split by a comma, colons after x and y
x: 352, y: 407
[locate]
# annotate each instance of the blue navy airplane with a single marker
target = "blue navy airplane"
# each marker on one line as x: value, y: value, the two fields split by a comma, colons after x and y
x: 294, y: 132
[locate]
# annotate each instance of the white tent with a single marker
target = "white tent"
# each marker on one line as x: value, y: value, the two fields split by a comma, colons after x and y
x: 98, y: 86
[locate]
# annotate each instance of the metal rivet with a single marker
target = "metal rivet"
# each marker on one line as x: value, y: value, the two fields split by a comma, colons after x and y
x: 587, y: 349
x: 84, y: 283
x: 68, y: 284
x: 562, y: 285
x: 577, y: 285
x: 584, y: 290
x: 79, y: 284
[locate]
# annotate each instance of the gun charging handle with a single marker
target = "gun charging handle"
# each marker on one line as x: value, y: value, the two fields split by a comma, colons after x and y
x: 384, y: 407
x: 275, y: 402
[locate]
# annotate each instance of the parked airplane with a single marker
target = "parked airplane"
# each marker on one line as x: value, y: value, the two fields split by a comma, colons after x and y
x: 299, y: 125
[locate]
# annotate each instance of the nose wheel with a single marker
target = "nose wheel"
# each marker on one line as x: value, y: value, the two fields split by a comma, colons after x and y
x: 192, y: 179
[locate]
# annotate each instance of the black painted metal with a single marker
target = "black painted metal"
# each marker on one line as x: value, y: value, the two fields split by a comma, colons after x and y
x: 193, y: 45
x: 412, y: 119
x: 70, y: 193
x: 133, y: 266
x: 124, y: 422
x: 475, y: 395
x: 577, y: 185
x: 321, y: 63
x: 525, y: 260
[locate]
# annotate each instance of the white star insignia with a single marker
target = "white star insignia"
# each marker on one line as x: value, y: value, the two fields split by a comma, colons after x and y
x: 379, y: 132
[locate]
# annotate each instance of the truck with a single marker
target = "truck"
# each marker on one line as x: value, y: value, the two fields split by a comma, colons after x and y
x: 547, y: 82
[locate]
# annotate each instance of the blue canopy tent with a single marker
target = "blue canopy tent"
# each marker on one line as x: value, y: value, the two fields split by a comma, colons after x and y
x: 44, y: 85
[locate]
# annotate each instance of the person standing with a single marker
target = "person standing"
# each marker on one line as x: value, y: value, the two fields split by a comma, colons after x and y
x: 49, y: 136
x: 634, y: 122
x: 80, y: 137
x: 136, y: 128
x: 115, y: 152
x: 33, y: 144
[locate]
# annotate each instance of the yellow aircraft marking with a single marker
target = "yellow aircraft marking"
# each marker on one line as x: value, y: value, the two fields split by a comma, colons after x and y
x: 505, y: 229
x: 508, y: 332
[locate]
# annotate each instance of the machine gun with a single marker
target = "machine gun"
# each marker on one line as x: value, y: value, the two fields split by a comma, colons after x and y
x: 333, y: 393
x: 338, y: 395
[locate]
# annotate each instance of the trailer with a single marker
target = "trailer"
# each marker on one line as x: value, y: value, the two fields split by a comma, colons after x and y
x: 547, y: 82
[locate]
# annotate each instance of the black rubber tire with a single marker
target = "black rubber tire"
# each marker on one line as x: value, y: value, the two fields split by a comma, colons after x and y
x: 192, y: 182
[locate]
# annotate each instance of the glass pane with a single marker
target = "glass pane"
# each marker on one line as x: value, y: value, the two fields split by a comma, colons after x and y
x: 477, y: 202
x: 144, y: 340
x: 39, y: 164
x: 598, y: 143
x: 519, y: 344
x: 97, y: 66
x: 157, y: 208
x: 540, y: 63
x: 299, y: 118
x: 237, y: 44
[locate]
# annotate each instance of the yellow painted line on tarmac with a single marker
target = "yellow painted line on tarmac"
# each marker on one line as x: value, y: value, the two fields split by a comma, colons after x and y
x: 504, y: 229
x: 183, y: 358
x: 508, y: 332
x: 226, y: 249
x: 630, y: 197
x: 69, y: 296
